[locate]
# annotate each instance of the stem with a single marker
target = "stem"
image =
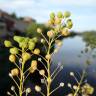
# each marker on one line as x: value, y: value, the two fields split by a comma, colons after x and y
x: 49, y: 75
x: 75, y: 94
x: 21, y: 77
x: 21, y: 80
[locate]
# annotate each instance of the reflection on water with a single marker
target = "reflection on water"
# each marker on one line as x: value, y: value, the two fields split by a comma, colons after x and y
x: 68, y: 56
x: 69, y: 52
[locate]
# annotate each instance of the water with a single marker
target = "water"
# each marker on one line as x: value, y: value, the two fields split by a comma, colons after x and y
x: 68, y: 56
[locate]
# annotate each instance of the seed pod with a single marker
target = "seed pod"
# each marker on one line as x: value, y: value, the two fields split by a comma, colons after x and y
x: 69, y: 23
x: 28, y: 90
x: 52, y: 15
x: 48, y: 56
x: 31, y: 46
x: 65, y: 32
x: 7, y: 43
x: 59, y: 15
x: 34, y: 63
x: 42, y: 41
x: 15, y: 72
x: 50, y: 33
x: 23, y: 44
x: 50, y: 22
x: 37, y: 88
x: 36, y: 51
x: 35, y: 39
x: 12, y: 58
x: 42, y: 72
x: 18, y: 39
x: 67, y: 14
x: 57, y: 21
x: 14, y: 50
x: 26, y: 56
x: 39, y: 30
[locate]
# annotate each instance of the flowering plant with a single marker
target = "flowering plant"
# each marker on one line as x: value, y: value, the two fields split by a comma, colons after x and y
x: 60, y: 25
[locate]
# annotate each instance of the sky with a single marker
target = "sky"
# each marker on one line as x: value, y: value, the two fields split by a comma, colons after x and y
x: 83, y: 12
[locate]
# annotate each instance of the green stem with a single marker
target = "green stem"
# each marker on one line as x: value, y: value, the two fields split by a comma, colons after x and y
x: 21, y: 77
x: 49, y: 75
x: 79, y: 84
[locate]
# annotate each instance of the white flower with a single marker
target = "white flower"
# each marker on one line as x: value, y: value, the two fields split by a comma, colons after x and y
x: 61, y: 84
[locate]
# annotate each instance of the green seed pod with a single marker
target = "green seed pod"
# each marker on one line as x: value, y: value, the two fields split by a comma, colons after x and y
x: 67, y: 14
x: 7, y: 43
x: 26, y: 56
x: 18, y: 39
x: 59, y: 15
x: 31, y: 46
x: 12, y: 58
x: 52, y: 15
x: 14, y: 50
x: 69, y: 23
x: 23, y: 45
x: 26, y: 40
x: 35, y: 39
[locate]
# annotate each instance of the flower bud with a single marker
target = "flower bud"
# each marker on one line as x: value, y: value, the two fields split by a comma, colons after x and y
x: 26, y: 56
x: 39, y: 30
x: 12, y: 58
x: 67, y: 14
x: 59, y: 15
x: 7, y: 43
x: 14, y: 72
x: 14, y: 50
x: 36, y: 51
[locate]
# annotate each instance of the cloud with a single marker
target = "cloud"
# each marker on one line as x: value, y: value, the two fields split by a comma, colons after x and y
x: 82, y: 10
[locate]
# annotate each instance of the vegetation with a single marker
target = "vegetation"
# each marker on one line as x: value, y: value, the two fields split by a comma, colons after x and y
x: 20, y: 55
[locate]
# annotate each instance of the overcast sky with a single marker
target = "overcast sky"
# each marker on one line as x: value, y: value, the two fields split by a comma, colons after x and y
x: 83, y: 11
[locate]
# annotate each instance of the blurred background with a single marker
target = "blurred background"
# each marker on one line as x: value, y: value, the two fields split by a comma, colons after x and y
x: 22, y: 17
